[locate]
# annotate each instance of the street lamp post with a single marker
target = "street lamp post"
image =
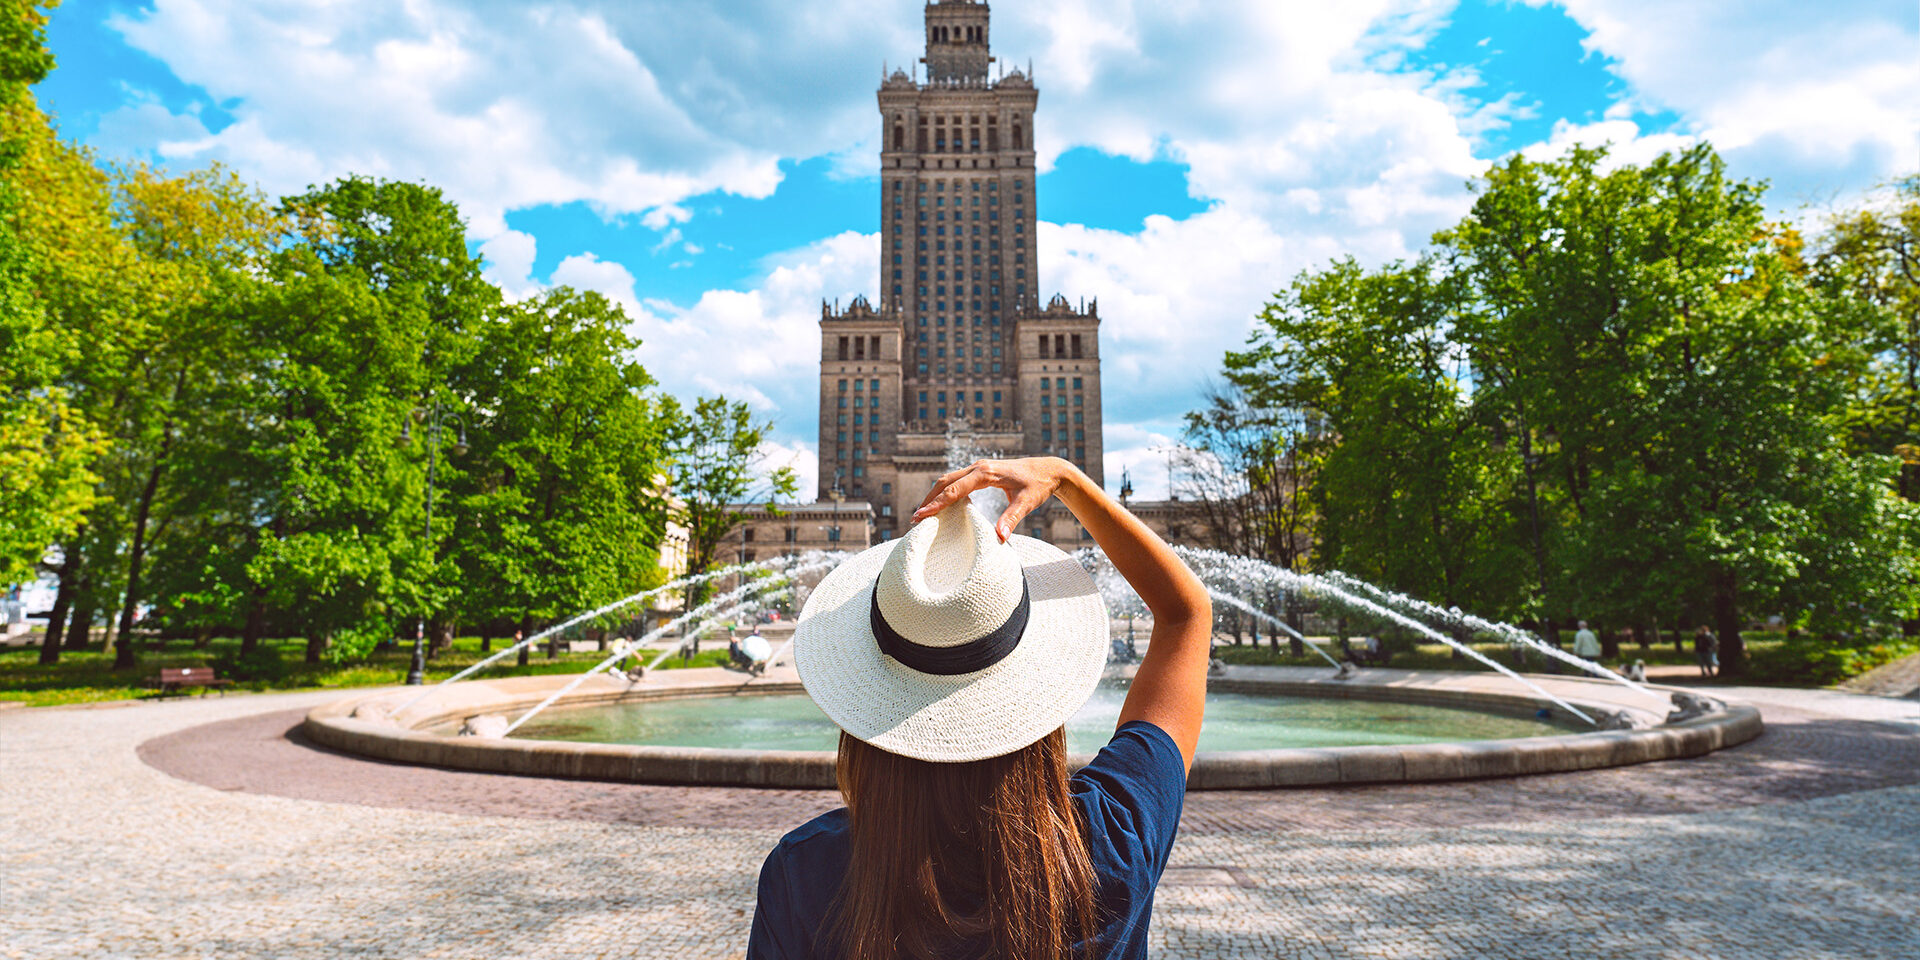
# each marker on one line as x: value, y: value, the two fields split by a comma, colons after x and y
x: 1529, y: 461
x: 1126, y: 494
x: 435, y: 420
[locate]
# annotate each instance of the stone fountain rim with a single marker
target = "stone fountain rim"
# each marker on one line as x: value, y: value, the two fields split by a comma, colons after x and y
x: 365, y: 725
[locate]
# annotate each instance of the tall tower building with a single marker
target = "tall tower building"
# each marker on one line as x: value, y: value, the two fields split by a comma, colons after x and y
x: 959, y: 354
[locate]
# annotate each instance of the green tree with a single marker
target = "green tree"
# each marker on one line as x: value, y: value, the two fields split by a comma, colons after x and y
x: 715, y: 462
x: 45, y: 445
x: 1409, y: 491
x: 558, y: 506
x: 201, y: 239
x: 1623, y: 379
x: 62, y: 270
x: 1874, y: 254
x: 1654, y: 325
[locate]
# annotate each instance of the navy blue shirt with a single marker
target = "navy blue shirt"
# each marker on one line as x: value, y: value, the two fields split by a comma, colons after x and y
x: 1131, y: 794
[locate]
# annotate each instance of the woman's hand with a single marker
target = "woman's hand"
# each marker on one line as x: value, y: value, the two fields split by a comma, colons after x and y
x: 1028, y: 483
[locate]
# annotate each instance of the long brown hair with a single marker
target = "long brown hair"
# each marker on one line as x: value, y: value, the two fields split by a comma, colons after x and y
x: 992, y: 851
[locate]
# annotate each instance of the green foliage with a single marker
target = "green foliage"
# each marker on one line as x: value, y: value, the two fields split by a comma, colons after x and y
x: 715, y: 459
x: 313, y: 418
x: 559, y: 501
x: 1248, y: 468
x: 1617, y: 394
x: 1872, y: 257
x: 1809, y: 660
x: 1409, y: 490
x: 46, y: 442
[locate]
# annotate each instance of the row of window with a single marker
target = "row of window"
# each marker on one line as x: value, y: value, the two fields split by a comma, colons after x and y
x: 1019, y: 243
x: 940, y: 353
x: 958, y: 230
x: 1017, y: 185
x: 958, y: 368
x: 940, y: 320
x: 863, y: 348
x: 979, y: 413
x: 940, y: 260
x: 941, y: 275
x: 933, y: 138
x: 961, y: 34
x: 959, y: 336
x: 940, y: 216
x: 993, y: 200
x: 920, y: 306
x: 1060, y: 346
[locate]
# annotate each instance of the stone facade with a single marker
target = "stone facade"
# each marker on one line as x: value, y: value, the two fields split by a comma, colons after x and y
x: 798, y: 528
x: 958, y: 354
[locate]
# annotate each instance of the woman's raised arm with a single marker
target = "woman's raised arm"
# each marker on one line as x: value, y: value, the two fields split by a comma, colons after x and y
x: 1170, y: 688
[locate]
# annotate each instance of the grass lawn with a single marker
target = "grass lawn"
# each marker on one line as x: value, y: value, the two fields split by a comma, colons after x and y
x: 88, y: 675
x: 82, y: 676
x: 1434, y: 656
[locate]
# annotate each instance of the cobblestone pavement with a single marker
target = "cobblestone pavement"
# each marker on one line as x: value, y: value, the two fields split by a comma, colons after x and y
x: 108, y: 856
x: 1808, y: 752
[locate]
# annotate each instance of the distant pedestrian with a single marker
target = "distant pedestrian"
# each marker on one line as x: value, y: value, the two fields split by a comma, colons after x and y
x: 1585, y: 644
x: 1706, y: 650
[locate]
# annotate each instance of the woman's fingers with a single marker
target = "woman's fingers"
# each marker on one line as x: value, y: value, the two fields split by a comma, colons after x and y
x: 946, y: 496
x: 1024, y: 502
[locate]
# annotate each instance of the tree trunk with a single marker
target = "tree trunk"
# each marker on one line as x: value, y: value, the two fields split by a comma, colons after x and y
x: 1726, y: 622
x: 80, y: 625
x: 316, y: 645
x: 486, y: 640
x: 526, y: 627
x: 1610, y: 644
x: 113, y: 635
x: 256, y: 625
x: 1640, y: 637
x: 123, y: 659
x: 440, y: 637
x: 57, y: 618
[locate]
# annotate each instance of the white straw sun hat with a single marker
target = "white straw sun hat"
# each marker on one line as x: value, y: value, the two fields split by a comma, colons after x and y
x: 949, y: 645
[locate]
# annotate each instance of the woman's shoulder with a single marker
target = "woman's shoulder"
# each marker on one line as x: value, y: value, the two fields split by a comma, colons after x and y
x: 1140, y: 770
x: 827, y: 829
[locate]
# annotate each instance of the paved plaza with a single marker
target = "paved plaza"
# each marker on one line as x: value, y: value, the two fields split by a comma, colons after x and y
x: 207, y: 828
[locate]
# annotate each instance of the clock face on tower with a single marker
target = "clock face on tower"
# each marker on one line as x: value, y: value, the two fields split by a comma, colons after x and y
x: 956, y: 356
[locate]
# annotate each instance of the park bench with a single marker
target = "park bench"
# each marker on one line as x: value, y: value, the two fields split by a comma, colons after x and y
x: 178, y: 679
x: 1374, y: 654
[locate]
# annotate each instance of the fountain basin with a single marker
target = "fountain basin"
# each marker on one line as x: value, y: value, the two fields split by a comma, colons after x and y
x: 369, y: 725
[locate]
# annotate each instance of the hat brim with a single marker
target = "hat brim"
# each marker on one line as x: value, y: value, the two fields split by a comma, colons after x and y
x: 971, y: 716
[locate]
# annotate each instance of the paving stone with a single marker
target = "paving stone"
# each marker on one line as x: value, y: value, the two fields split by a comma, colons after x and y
x: 1797, y: 846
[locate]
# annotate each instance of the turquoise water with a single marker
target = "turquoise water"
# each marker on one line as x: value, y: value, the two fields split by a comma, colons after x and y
x: 1234, y: 722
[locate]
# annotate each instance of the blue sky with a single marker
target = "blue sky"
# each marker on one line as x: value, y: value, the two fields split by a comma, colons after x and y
x: 711, y: 166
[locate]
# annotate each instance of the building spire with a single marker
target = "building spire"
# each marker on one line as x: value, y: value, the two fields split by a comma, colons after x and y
x: 957, y: 42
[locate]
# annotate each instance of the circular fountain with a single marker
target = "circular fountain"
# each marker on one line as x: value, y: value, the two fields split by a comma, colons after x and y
x: 1267, y: 726
x: 1378, y: 726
